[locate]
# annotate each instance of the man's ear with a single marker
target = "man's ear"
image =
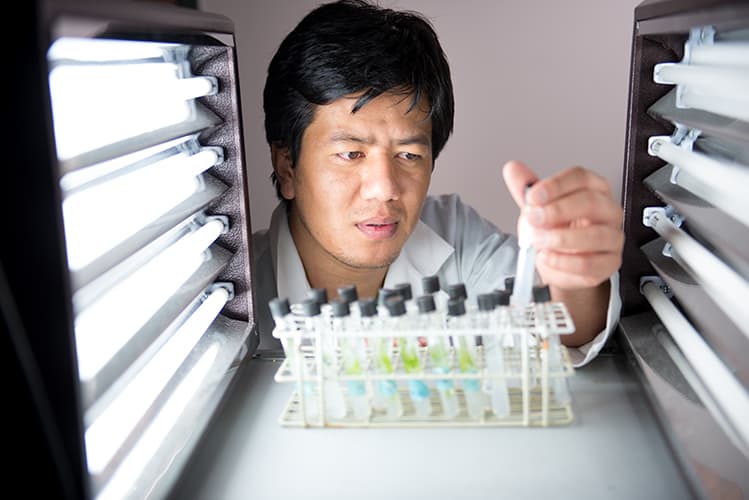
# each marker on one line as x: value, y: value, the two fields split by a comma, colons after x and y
x: 282, y: 165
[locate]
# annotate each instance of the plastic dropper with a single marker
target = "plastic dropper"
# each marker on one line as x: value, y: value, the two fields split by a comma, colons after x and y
x: 526, y: 266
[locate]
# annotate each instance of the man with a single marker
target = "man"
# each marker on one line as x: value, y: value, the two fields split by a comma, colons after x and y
x: 359, y: 103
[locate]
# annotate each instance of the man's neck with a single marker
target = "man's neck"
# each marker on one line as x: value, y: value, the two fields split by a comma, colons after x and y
x: 323, y: 270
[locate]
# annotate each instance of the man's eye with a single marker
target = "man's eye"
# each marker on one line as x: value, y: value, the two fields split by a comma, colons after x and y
x: 351, y: 155
x: 409, y: 156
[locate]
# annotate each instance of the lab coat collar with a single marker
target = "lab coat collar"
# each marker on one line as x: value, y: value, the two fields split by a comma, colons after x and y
x: 423, y: 255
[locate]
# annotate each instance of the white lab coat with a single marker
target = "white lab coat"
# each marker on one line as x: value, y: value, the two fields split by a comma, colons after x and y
x: 451, y: 241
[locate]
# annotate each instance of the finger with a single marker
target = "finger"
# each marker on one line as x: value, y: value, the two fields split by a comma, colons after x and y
x: 594, y: 206
x: 566, y: 182
x: 584, y: 270
x: 517, y: 176
x: 592, y: 238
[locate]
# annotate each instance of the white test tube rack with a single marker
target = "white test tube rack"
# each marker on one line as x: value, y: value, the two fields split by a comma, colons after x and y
x: 527, y: 374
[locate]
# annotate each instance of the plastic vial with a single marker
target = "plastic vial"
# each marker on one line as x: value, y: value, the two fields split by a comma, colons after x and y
x: 369, y: 323
x: 387, y: 389
x: 286, y: 330
x: 439, y: 352
x: 409, y: 353
x: 354, y: 356
x: 334, y: 403
x: 493, y: 354
x: 466, y: 349
x: 551, y: 345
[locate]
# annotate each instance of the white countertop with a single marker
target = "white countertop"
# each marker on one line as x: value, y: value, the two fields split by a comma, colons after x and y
x: 613, y: 450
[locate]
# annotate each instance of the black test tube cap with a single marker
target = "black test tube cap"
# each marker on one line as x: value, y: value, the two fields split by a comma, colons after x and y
x: 368, y: 307
x: 340, y: 308
x: 385, y: 293
x: 404, y: 290
x: 457, y: 291
x: 541, y: 293
x: 430, y: 284
x: 396, y: 305
x: 456, y: 307
x: 318, y: 294
x: 310, y: 307
x: 486, y: 301
x: 426, y: 303
x: 348, y: 293
x: 509, y: 283
x: 279, y: 307
x: 503, y: 297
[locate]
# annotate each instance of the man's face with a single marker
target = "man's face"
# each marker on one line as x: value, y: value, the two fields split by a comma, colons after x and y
x: 360, y: 181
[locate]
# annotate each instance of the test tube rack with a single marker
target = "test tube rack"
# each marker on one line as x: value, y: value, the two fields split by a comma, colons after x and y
x: 530, y: 373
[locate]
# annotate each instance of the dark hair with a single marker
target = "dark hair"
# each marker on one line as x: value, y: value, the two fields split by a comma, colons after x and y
x: 351, y: 46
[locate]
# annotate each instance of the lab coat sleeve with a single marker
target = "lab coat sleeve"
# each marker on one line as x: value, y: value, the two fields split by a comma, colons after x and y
x: 585, y: 353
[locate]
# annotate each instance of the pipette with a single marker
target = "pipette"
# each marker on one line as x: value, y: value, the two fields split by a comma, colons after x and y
x: 525, y: 273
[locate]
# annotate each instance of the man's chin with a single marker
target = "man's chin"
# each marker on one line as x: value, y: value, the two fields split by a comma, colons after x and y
x: 367, y: 263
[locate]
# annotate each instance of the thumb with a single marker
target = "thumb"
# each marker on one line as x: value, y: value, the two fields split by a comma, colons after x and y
x: 517, y: 176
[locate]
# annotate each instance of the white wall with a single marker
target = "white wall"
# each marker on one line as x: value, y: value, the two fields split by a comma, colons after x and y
x: 541, y: 81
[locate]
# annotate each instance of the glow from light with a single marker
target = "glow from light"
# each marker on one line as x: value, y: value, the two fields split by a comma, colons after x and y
x: 110, y: 430
x: 718, y: 182
x: 721, y: 90
x: 154, y: 436
x: 102, y: 216
x: 721, y: 54
x: 103, y: 328
x: 101, y: 50
x: 97, y: 105
x: 82, y: 176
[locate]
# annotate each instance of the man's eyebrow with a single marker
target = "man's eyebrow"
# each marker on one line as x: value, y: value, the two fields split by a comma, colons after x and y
x: 422, y: 139
x: 345, y: 137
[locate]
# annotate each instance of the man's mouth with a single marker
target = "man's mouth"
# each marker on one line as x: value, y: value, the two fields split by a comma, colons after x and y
x: 378, y: 229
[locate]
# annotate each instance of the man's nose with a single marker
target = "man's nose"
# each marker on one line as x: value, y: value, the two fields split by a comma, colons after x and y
x: 380, y: 179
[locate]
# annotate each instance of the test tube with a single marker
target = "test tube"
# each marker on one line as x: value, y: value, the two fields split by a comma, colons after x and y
x: 551, y: 345
x: 466, y: 348
x: 387, y: 389
x: 332, y: 395
x: 285, y: 329
x: 369, y: 324
x: 353, y: 356
x: 493, y: 354
x: 432, y: 325
x: 409, y: 353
